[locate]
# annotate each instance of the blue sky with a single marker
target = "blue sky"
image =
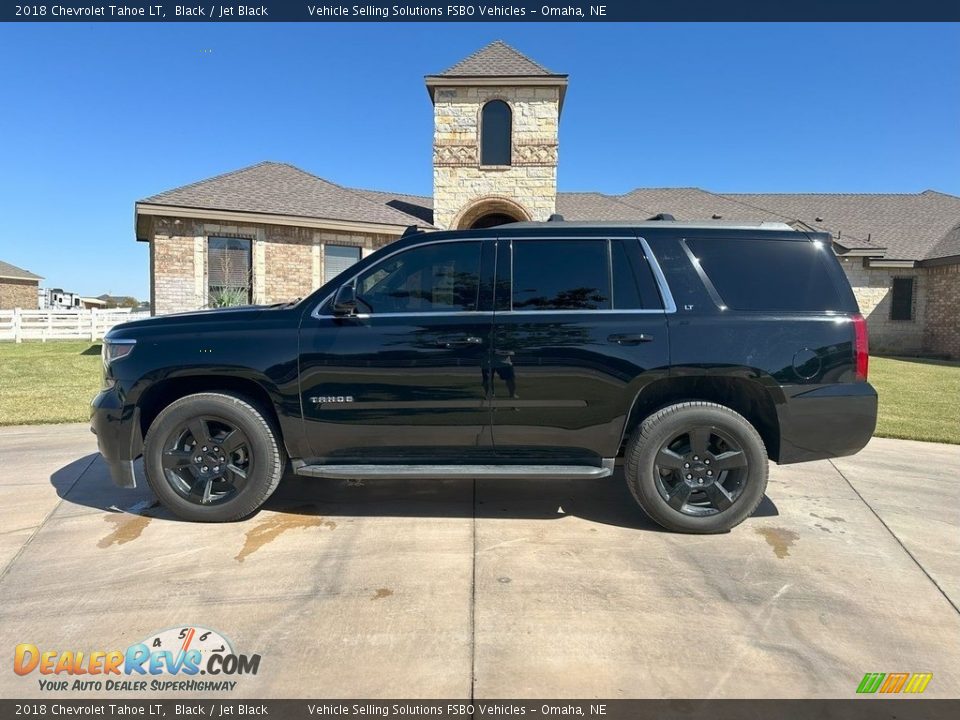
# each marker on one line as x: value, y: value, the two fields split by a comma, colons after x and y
x: 94, y: 117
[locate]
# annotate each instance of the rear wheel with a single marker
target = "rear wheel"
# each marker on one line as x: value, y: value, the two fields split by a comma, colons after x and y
x: 212, y: 457
x: 697, y: 467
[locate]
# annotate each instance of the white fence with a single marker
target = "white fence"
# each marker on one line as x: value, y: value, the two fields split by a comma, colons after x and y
x: 18, y: 325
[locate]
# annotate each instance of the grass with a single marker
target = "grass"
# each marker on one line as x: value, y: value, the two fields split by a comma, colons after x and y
x: 50, y: 382
x: 54, y: 382
x: 918, y: 398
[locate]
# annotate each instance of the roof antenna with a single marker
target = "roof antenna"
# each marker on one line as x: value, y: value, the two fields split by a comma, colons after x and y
x: 555, y: 217
x: 662, y: 216
x: 410, y: 230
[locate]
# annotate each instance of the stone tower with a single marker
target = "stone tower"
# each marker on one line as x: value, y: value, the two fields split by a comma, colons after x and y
x: 496, y: 116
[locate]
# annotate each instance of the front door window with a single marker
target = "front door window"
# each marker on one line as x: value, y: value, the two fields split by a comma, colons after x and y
x: 444, y: 277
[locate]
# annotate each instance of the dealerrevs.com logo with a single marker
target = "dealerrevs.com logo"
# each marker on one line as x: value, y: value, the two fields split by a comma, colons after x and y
x: 168, y: 661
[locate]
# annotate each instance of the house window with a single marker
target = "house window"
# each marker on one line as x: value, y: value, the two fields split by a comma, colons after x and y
x: 496, y: 120
x: 901, y: 302
x: 228, y: 271
x: 337, y: 258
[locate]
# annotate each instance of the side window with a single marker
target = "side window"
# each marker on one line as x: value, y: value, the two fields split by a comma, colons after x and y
x: 748, y: 274
x: 901, y: 302
x: 561, y: 275
x: 433, y: 278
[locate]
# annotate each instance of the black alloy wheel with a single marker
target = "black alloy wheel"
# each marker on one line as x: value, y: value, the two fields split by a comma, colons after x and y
x: 207, y: 460
x: 697, y: 467
x: 213, y: 456
x: 701, y: 471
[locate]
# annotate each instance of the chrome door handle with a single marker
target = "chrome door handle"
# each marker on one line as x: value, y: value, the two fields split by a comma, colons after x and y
x: 630, y: 339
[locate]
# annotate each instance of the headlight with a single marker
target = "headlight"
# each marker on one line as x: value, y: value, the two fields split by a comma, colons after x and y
x: 114, y: 350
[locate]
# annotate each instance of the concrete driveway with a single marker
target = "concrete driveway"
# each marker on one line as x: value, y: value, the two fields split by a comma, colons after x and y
x: 497, y: 589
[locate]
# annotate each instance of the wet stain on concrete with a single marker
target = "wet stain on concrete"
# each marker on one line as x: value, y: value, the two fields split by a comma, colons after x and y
x: 382, y: 593
x: 269, y: 529
x: 125, y: 528
x: 831, y: 519
x: 779, y: 539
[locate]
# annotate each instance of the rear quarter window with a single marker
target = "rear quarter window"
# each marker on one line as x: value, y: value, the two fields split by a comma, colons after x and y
x: 753, y: 274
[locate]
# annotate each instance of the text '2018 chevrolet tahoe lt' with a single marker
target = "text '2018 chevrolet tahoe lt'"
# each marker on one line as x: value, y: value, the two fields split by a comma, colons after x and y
x: 543, y: 350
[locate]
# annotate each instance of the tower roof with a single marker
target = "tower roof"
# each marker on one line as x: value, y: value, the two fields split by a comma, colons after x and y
x: 497, y: 64
x: 497, y: 60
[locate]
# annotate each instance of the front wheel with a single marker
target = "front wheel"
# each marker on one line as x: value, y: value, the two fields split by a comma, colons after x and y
x: 697, y: 467
x: 212, y: 457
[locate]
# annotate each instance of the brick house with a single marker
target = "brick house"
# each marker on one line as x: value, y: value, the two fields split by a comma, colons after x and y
x: 273, y: 232
x: 18, y: 287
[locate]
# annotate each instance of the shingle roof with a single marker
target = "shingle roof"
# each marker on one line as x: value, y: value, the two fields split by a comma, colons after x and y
x: 949, y: 245
x: 12, y: 271
x: 920, y: 226
x: 887, y: 224
x: 579, y: 206
x: 909, y: 226
x: 418, y: 207
x: 280, y: 189
x: 497, y: 60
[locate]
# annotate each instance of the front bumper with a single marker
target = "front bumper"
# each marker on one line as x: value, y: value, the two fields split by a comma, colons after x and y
x: 117, y: 427
x: 827, y: 422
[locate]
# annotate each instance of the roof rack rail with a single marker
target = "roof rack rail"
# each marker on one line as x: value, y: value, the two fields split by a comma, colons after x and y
x: 662, y: 216
x: 411, y: 230
x: 555, y: 217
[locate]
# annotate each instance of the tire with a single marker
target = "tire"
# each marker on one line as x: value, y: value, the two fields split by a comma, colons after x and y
x: 712, y: 500
x: 248, y: 472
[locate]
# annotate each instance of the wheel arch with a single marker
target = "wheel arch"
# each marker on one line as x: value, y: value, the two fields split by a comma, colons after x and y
x: 163, y: 392
x: 748, y: 397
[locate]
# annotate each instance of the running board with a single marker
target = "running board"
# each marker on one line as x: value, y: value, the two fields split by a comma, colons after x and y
x: 443, y: 472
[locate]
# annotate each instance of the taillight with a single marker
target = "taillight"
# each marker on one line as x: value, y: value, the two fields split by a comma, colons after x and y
x: 861, y: 346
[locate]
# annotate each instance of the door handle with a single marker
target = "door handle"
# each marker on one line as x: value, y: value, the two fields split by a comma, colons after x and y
x: 630, y: 339
x: 468, y: 341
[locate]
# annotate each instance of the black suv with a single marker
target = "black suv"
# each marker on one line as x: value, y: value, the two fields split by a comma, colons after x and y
x: 548, y: 350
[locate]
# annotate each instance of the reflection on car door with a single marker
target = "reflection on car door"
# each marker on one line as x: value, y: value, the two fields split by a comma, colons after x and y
x: 403, y: 378
x: 579, y: 330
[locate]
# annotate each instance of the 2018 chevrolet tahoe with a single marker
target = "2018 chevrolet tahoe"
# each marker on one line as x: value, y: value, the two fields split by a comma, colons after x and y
x: 693, y: 352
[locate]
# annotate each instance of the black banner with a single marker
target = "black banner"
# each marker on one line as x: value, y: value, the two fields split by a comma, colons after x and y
x: 872, y: 708
x: 507, y: 11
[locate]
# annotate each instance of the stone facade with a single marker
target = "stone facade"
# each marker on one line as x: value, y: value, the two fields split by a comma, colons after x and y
x: 942, y: 335
x: 934, y: 328
x: 463, y: 189
x: 873, y: 288
x: 16, y: 293
x: 286, y: 263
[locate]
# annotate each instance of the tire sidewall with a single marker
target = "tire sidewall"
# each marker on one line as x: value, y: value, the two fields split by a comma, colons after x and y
x: 262, y: 445
x: 673, y: 421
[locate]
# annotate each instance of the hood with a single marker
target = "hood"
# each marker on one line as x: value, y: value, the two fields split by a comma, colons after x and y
x: 198, y: 318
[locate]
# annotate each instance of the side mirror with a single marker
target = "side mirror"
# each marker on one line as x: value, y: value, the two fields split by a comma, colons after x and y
x: 345, y: 301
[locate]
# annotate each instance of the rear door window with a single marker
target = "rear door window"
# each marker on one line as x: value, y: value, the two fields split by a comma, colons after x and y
x: 561, y: 275
x: 581, y: 274
x: 784, y: 275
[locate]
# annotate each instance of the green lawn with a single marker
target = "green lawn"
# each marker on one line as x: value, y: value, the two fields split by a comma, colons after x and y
x: 54, y: 382
x: 918, y: 398
x: 50, y: 382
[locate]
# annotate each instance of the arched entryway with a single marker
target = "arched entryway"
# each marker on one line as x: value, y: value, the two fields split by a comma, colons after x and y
x: 490, y: 212
x: 492, y: 220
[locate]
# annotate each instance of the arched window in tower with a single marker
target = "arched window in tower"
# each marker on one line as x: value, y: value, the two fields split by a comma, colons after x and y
x: 496, y: 130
